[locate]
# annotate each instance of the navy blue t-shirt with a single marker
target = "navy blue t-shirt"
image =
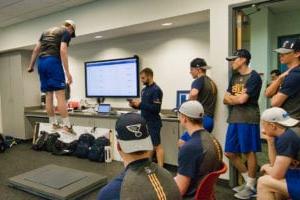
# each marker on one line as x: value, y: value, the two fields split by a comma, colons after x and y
x: 288, y: 144
x: 249, y: 111
x: 290, y: 87
x: 151, y: 104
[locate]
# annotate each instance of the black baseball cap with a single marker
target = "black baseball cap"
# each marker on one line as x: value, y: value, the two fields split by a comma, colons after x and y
x: 240, y: 53
x: 132, y: 133
x: 289, y: 46
x: 199, y: 63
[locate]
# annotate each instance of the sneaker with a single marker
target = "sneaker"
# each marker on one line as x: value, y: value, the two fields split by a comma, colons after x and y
x: 56, y: 126
x: 69, y: 130
x: 239, y: 188
x: 246, y: 193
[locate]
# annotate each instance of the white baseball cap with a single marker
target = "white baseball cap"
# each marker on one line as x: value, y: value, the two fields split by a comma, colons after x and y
x: 280, y: 116
x: 72, y: 23
x: 192, y: 109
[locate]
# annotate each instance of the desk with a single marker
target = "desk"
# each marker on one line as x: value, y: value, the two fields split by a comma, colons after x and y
x: 169, y: 132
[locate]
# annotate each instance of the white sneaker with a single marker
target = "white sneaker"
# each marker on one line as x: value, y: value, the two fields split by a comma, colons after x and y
x: 246, y: 193
x: 239, y: 188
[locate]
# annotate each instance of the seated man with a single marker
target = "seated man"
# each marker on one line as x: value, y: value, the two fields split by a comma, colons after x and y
x: 141, y: 178
x: 282, y: 175
x: 198, y: 156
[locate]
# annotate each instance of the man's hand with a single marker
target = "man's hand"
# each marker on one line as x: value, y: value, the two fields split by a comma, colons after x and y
x: 283, y: 75
x: 30, y: 69
x: 70, y: 79
x: 264, y: 168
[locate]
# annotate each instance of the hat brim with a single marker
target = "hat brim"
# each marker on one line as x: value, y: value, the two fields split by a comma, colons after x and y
x: 283, y: 50
x: 136, y: 145
x: 231, y: 58
x: 188, y: 115
x: 206, y: 67
x: 290, y: 122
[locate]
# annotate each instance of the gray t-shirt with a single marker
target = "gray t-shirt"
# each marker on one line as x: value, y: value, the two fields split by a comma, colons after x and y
x: 249, y: 111
x: 207, y: 95
x: 51, y: 39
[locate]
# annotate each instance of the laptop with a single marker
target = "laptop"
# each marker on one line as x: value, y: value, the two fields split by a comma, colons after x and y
x: 104, y: 109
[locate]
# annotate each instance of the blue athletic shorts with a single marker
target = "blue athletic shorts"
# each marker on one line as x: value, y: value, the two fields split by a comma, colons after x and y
x: 293, y: 183
x: 242, y: 138
x: 51, y: 73
x: 154, y: 131
x: 208, y: 123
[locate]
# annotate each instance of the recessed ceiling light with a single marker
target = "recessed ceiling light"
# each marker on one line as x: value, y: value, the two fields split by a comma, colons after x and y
x: 98, y: 36
x: 167, y: 24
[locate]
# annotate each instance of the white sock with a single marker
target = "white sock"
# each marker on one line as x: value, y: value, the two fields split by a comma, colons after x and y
x: 245, y: 176
x: 52, y: 120
x: 251, y: 182
x: 66, y: 122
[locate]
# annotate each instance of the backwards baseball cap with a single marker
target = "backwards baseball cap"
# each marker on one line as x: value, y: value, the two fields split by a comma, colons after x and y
x: 132, y: 133
x: 289, y: 46
x: 280, y: 116
x: 199, y: 63
x: 192, y: 109
x: 240, y: 53
x: 72, y: 23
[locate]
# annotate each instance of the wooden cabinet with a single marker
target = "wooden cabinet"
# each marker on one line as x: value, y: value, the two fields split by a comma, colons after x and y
x: 169, y: 137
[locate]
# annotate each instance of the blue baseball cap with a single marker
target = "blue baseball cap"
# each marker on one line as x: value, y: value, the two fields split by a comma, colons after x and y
x: 289, y: 46
x: 240, y: 53
x: 132, y: 133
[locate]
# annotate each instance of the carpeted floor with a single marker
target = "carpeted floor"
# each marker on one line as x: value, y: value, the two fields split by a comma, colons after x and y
x: 21, y: 158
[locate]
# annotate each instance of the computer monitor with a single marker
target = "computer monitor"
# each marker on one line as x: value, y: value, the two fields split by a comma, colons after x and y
x: 182, y: 96
x: 112, y: 78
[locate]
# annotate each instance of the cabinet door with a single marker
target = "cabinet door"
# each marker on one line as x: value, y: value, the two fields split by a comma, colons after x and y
x: 169, y: 138
x: 82, y: 121
x: 105, y: 123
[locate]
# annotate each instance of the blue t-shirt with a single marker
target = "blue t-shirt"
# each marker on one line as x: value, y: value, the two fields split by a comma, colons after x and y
x: 288, y: 144
x: 249, y: 111
x: 290, y: 87
x: 151, y: 104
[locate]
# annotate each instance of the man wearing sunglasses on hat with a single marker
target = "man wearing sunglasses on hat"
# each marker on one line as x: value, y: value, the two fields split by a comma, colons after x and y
x: 285, y: 90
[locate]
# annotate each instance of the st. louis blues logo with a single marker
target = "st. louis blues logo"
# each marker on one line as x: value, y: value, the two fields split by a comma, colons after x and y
x: 135, y: 129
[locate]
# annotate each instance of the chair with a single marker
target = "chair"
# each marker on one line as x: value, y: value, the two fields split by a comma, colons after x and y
x: 205, y: 190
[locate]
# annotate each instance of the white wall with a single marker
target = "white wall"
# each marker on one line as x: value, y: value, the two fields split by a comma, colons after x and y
x: 167, y: 52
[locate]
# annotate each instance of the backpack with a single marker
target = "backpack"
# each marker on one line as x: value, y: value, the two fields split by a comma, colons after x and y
x: 62, y: 148
x: 97, y: 152
x: 40, y: 143
x: 51, y: 141
x: 2, y: 144
x: 84, y: 144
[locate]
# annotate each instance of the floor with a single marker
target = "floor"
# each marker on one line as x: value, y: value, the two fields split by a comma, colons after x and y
x: 21, y: 158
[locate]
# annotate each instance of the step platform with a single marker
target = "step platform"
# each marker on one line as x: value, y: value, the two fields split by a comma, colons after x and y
x: 58, y: 183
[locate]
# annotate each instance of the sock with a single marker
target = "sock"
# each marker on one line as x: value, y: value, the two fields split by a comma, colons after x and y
x: 66, y: 122
x: 251, y: 182
x: 52, y: 120
x: 245, y: 176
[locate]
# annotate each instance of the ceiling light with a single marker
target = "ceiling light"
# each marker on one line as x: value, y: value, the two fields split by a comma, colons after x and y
x: 167, y: 24
x: 98, y: 36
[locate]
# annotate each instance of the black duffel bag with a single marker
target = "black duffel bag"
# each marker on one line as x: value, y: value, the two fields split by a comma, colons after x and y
x: 84, y: 144
x: 97, y: 152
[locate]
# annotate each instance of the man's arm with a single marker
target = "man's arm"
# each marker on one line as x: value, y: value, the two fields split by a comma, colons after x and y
x: 271, y: 150
x: 235, y: 100
x: 183, y: 183
x: 34, y: 55
x: 279, y: 168
x: 193, y: 94
x: 278, y: 99
x: 64, y: 59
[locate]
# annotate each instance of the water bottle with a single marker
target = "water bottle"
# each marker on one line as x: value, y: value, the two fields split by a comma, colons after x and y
x: 108, y: 157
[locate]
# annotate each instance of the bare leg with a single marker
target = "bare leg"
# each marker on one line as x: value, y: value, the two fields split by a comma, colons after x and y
x: 268, y: 187
x: 251, y: 162
x: 159, y: 155
x: 61, y: 103
x: 236, y: 161
x: 49, y: 104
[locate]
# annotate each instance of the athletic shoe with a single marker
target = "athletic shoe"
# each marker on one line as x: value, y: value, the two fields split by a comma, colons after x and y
x: 239, y: 188
x: 69, y: 130
x: 56, y: 126
x: 246, y: 193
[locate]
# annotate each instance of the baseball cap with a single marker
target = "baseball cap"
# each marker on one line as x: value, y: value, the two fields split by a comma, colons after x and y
x: 199, y: 62
x: 280, y: 116
x: 132, y: 133
x: 72, y: 23
x: 192, y: 109
x: 240, y: 53
x: 289, y: 46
